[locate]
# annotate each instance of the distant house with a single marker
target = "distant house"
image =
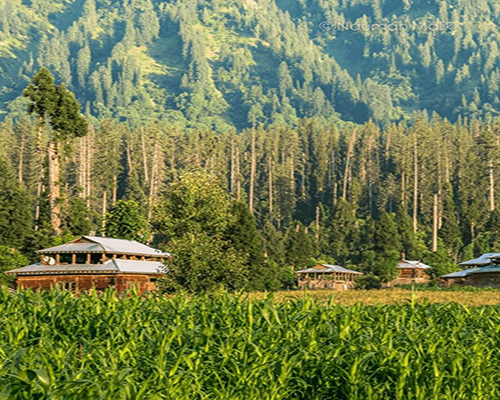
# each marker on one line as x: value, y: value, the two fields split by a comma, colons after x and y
x: 95, y: 262
x: 466, y: 275
x: 324, y: 276
x: 487, y: 275
x: 410, y: 272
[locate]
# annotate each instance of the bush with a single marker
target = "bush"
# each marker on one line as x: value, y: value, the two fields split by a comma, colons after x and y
x: 368, y: 282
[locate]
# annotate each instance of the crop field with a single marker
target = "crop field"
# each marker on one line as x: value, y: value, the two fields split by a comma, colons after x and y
x: 54, y: 345
x: 465, y: 296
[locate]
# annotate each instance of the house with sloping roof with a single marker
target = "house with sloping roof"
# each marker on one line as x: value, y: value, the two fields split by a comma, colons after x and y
x: 487, y: 275
x: 470, y: 267
x: 95, y: 262
x: 324, y: 276
x: 410, y: 272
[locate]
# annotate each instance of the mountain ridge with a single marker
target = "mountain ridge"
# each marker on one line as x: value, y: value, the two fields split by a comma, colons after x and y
x: 241, y: 63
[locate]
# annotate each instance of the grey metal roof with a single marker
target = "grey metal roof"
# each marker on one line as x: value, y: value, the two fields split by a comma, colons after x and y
x: 485, y: 270
x: 459, y: 274
x: 328, y: 269
x: 412, y: 264
x: 484, y: 259
x: 114, y: 266
x: 96, y: 244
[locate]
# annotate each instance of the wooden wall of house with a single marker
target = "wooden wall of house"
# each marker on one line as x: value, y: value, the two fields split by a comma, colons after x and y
x: 411, y: 273
x: 121, y: 283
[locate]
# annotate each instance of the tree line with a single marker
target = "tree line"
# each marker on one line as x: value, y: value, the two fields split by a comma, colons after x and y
x: 264, y: 199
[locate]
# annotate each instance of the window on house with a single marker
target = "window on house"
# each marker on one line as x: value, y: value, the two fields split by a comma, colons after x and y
x: 81, y: 258
x: 95, y: 258
x: 132, y: 285
x: 67, y: 285
x: 65, y: 258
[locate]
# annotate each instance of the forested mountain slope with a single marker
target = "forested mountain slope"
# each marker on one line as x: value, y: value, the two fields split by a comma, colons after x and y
x: 238, y: 63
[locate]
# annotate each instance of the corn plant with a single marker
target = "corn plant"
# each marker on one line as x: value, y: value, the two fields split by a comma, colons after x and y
x: 55, y: 345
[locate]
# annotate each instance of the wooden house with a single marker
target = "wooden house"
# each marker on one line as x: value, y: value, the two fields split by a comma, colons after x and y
x: 324, y: 276
x: 485, y: 276
x: 468, y: 268
x: 95, y: 262
x: 410, y: 272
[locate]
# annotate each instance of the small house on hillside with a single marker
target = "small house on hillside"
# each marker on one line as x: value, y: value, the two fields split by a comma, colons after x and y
x: 324, y: 276
x: 95, y: 262
x: 410, y: 272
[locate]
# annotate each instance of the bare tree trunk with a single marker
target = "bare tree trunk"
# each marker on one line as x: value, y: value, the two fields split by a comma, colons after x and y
x: 144, y: 157
x: 155, y: 172
x: 238, y: 176
x: 270, y: 177
x: 317, y: 223
x: 104, y: 211
x: 88, y: 162
x: 303, y: 177
x: 82, y: 165
x: 350, y: 149
x: 21, y: 159
x: 252, y: 173
x: 492, y: 186
x: 415, y: 185
x: 114, y: 191
x: 54, y: 186
x: 232, y: 178
x: 39, y: 184
x: 447, y: 161
x: 403, y: 188
x: 130, y: 165
x: 435, y: 222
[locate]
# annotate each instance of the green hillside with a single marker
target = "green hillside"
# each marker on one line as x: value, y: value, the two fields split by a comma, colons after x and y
x: 240, y: 63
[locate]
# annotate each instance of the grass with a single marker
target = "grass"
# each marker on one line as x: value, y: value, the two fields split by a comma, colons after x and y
x: 54, y: 345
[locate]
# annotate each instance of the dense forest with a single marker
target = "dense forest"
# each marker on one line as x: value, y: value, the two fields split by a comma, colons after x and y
x: 240, y: 63
x: 244, y: 134
x: 283, y: 196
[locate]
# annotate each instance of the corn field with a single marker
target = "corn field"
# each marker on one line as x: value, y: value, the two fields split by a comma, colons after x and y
x: 54, y: 345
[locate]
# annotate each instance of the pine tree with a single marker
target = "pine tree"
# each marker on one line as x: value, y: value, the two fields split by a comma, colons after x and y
x: 387, y: 246
x: 15, y: 209
x: 344, y: 232
x: 299, y: 247
x: 450, y: 230
x: 57, y: 108
x: 245, y: 238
